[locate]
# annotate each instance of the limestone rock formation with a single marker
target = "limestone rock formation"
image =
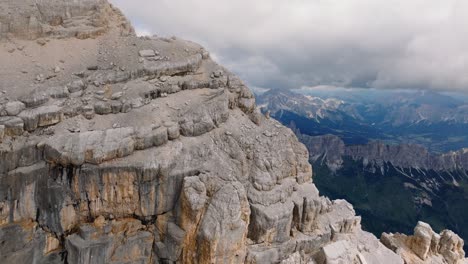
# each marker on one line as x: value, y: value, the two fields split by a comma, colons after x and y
x: 124, y: 149
x: 426, y: 246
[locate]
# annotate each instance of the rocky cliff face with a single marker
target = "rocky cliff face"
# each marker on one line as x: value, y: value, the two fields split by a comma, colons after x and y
x: 332, y: 149
x: 119, y: 149
x: 426, y: 246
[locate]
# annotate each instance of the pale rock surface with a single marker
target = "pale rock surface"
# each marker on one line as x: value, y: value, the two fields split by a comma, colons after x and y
x: 426, y: 246
x: 126, y: 157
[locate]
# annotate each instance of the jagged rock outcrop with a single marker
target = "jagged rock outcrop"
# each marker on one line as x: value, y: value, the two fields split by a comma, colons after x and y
x: 144, y: 150
x: 426, y: 246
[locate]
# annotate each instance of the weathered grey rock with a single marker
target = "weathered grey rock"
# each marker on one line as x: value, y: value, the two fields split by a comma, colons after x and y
x: 76, y: 86
x: 34, y: 99
x: 122, y: 242
x: 186, y: 65
x: 117, y: 96
x: 14, y: 126
x: 41, y: 117
x: 14, y: 108
x: 102, y: 108
x: 2, y: 132
x: 173, y: 131
x: 93, y: 147
x: 58, y: 92
x: 147, y: 53
x: 426, y: 246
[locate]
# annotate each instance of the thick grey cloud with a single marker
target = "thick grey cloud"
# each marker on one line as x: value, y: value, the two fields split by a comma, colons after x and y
x: 351, y: 43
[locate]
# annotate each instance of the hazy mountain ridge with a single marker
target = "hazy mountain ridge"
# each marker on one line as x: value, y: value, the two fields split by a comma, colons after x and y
x: 377, y: 152
x: 439, y: 122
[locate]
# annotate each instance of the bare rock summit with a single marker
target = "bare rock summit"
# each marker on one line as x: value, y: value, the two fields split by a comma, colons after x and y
x: 144, y: 150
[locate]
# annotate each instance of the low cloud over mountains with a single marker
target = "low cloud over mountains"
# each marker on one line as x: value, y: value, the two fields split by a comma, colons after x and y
x: 289, y: 44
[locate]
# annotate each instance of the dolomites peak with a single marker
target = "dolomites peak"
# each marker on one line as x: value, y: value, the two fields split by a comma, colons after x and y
x: 123, y: 149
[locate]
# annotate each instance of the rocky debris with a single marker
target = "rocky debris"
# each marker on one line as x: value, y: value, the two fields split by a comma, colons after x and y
x: 426, y: 246
x: 83, y: 19
x: 155, y: 163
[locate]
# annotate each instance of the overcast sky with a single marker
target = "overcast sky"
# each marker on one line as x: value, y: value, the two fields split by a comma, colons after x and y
x: 304, y: 43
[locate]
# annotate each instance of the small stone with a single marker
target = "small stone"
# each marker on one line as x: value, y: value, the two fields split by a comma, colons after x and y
x: 81, y: 74
x: 41, y: 42
x: 21, y: 47
x: 74, y: 129
x: 115, y: 125
x: 49, y: 131
x: 141, y: 60
x: 40, y: 77
x: 40, y: 144
x: 163, y: 78
x: 57, y: 69
x: 102, y: 108
x: 14, y: 108
x: 228, y: 133
x: 76, y: 86
x: 99, y: 221
x: 88, y: 112
x: 173, y: 132
x: 117, y: 95
x: 92, y: 68
x: 147, y: 53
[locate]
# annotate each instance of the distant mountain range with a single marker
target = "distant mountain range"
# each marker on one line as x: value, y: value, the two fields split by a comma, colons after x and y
x: 392, y: 186
x: 436, y: 121
x: 397, y: 156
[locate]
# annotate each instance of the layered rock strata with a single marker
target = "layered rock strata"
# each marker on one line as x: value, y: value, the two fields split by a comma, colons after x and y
x: 120, y: 149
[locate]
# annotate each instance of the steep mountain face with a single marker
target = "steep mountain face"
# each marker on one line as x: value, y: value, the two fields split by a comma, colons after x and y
x: 144, y: 150
x: 119, y: 149
x: 393, y: 186
x: 439, y: 122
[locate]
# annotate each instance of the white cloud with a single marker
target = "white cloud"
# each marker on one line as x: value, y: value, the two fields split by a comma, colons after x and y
x: 295, y: 43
